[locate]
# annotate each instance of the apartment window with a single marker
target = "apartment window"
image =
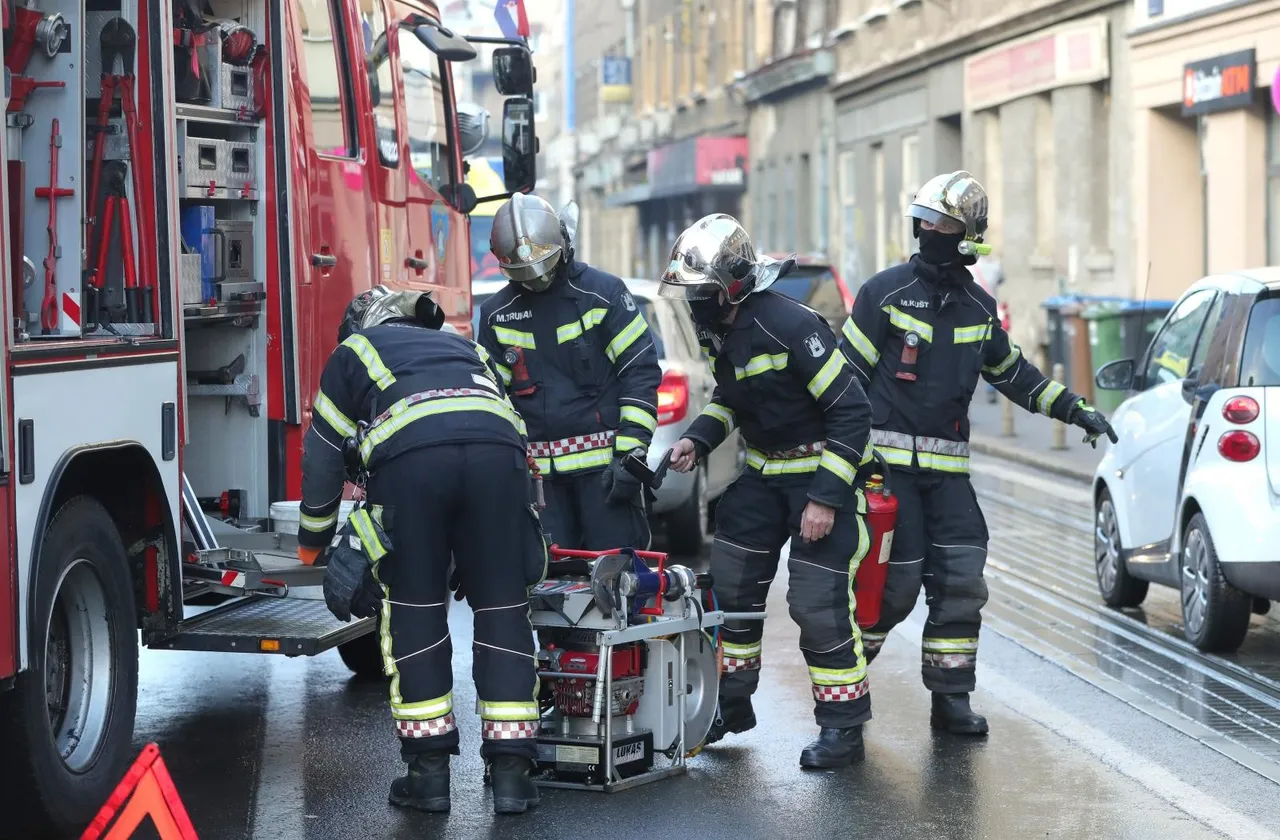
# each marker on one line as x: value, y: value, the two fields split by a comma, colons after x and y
x: 848, y: 219
x: 882, y: 232
x: 1273, y: 187
x: 332, y: 112
x: 910, y: 183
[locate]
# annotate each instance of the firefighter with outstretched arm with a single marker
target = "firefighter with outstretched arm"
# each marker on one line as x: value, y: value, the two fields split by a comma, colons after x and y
x: 577, y: 356
x: 420, y: 416
x: 782, y: 380
x: 919, y: 336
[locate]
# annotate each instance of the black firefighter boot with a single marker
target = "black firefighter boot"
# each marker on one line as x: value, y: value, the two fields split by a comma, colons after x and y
x: 952, y: 713
x: 734, y: 715
x: 426, y: 787
x: 834, y: 748
x: 513, y: 791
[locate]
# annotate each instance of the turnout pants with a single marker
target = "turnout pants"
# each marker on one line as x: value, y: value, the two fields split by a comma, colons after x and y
x: 754, y: 520
x: 940, y: 541
x: 469, y: 502
x: 577, y: 515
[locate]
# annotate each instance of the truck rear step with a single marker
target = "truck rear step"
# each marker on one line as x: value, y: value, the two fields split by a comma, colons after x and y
x: 264, y: 624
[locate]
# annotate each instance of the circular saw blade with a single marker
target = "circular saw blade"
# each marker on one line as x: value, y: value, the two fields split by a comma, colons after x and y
x: 703, y: 680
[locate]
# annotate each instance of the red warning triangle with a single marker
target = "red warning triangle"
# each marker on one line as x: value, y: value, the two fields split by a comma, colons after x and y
x: 145, y: 791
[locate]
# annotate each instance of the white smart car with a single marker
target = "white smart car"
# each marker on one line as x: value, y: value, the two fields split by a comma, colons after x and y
x: 1190, y: 495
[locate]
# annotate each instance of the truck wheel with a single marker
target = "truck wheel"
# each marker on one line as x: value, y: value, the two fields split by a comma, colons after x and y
x: 1215, y: 615
x: 1117, y: 586
x: 69, y: 719
x: 363, y: 656
x: 687, y: 525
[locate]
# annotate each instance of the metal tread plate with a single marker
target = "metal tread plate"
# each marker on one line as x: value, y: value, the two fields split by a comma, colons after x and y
x: 303, y: 627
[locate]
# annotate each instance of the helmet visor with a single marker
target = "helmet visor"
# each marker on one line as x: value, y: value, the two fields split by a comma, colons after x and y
x: 699, y: 291
x: 541, y: 260
x: 943, y: 222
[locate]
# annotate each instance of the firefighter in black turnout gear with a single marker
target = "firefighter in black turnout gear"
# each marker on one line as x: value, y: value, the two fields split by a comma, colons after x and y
x: 919, y: 336
x: 782, y: 380
x: 421, y: 413
x: 576, y: 355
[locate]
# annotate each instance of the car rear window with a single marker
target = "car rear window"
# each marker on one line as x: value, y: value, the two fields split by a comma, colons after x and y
x: 1260, y: 364
x: 816, y: 287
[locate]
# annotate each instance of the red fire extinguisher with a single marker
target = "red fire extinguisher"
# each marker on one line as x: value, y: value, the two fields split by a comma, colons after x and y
x: 882, y: 516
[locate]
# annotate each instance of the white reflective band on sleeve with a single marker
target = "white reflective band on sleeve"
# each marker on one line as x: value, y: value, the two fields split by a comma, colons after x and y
x: 1052, y: 390
x: 639, y: 416
x: 823, y: 379
x: 317, y: 524
x: 724, y: 415
x: 372, y: 361
x: 1007, y: 363
x: 341, y: 423
x: 626, y: 338
x: 832, y: 462
x: 860, y: 342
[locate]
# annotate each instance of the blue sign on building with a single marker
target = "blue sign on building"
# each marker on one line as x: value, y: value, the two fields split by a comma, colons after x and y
x: 1155, y: 8
x: 615, y: 70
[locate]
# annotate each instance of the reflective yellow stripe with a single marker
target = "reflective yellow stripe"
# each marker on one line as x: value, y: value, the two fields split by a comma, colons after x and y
x: 760, y: 364
x: 781, y: 466
x: 372, y: 361
x: 515, y: 338
x: 824, y: 377
x: 505, y: 373
x: 543, y: 464
x: 749, y: 651
x: 860, y: 342
x: 626, y: 443
x: 903, y: 321
x: 626, y: 338
x: 583, y: 460
x: 723, y: 414
x: 341, y: 423
x: 949, y: 645
x: 864, y: 545
x: 1006, y: 364
x: 369, y: 542
x: 639, y: 416
x: 972, y: 335
x: 837, y: 676
x: 895, y: 456
x: 384, y: 644
x: 1052, y: 390
x: 425, y: 710
x: 518, y: 710
x: 402, y: 417
x: 481, y: 352
x: 317, y: 524
x: 941, y: 463
x: 832, y: 462
x: 573, y: 329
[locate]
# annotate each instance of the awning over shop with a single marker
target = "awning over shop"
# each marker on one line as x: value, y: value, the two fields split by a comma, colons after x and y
x: 692, y: 165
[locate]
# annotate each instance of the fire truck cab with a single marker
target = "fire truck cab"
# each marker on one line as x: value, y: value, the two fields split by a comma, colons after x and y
x: 193, y: 192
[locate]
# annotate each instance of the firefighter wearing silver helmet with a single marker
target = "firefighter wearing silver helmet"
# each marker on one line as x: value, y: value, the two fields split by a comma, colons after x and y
x: 781, y: 380
x: 919, y: 336
x: 420, y: 417
x: 575, y: 351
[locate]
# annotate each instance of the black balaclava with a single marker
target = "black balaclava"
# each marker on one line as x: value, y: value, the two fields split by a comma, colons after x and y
x: 709, y: 312
x: 940, y: 249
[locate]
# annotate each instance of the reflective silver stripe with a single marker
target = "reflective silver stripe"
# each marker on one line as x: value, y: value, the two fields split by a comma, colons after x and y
x: 897, y: 440
x: 939, y: 446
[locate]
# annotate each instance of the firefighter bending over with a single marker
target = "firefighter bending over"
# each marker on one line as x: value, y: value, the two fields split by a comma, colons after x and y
x: 919, y: 336
x: 782, y: 379
x: 422, y: 412
x: 578, y: 359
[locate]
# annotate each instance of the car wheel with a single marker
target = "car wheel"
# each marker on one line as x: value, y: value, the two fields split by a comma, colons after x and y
x: 1215, y: 615
x: 687, y: 525
x: 1117, y: 586
x: 364, y: 656
x: 68, y: 721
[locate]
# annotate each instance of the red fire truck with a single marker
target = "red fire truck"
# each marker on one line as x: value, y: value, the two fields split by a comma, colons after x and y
x: 193, y: 192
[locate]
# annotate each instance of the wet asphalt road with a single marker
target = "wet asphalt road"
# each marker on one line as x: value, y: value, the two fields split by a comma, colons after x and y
x: 264, y: 747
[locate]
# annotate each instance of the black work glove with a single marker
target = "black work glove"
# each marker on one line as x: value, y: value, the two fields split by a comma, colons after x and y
x: 620, y: 486
x: 349, y: 586
x: 1094, y: 423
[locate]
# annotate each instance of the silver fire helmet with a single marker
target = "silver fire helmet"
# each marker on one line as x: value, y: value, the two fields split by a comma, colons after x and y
x: 715, y: 254
x: 380, y: 305
x: 527, y: 241
x: 954, y: 197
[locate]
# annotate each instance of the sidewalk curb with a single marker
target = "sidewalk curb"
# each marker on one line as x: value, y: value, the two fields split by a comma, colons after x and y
x: 1010, y: 452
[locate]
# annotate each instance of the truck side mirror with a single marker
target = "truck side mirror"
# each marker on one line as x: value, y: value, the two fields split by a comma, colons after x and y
x: 461, y: 197
x: 513, y: 72
x: 519, y: 146
x: 444, y: 43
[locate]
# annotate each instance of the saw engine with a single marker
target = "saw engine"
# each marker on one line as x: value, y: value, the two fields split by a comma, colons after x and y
x: 627, y: 668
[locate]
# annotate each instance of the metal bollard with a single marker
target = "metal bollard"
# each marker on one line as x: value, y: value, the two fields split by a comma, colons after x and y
x: 1059, y: 428
x: 1008, y: 419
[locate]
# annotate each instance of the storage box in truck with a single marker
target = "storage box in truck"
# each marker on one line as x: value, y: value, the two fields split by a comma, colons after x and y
x: 193, y: 192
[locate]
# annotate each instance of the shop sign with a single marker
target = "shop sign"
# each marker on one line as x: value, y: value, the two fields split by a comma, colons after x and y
x: 1216, y: 84
x: 1073, y: 53
x: 695, y: 162
x: 1158, y: 12
x: 615, y: 78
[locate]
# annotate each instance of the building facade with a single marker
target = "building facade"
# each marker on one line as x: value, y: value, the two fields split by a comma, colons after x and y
x: 1207, y: 138
x: 1031, y: 96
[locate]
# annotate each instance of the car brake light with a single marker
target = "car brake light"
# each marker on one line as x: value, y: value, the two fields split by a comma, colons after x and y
x: 1240, y: 410
x: 673, y: 397
x: 1239, y: 446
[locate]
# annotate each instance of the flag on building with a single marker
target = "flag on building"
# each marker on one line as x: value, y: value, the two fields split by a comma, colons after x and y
x: 512, y: 19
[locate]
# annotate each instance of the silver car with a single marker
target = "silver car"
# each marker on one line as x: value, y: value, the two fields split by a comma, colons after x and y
x: 685, y: 499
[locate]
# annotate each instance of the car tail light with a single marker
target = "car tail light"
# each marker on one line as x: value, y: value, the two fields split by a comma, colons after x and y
x: 673, y: 397
x: 1240, y: 410
x: 1239, y: 446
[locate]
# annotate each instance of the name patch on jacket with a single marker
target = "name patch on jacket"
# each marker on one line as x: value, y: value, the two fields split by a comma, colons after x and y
x: 512, y: 316
x: 914, y: 304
